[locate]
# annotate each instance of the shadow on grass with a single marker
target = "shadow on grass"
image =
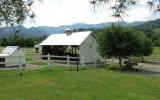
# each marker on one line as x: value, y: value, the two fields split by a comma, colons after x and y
x: 148, y: 72
x: 79, y: 68
x: 112, y: 67
x: 11, y: 74
x: 116, y: 68
x: 50, y: 70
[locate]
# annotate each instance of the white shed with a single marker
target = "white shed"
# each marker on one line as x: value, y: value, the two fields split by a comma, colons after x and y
x: 12, y: 56
x: 83, y: 43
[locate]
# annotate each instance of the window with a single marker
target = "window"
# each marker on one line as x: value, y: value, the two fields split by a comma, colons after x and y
x: 90, y: 45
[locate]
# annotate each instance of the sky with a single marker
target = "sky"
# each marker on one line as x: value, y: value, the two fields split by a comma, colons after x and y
x: 67, y: 12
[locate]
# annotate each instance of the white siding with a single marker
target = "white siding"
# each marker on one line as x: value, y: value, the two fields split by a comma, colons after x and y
x: 88, y: 49
x: 17, y: 57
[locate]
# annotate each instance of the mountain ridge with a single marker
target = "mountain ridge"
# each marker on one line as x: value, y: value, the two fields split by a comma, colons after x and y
x: 60, y: 29
x: 46, y: 30
x: 149, y: 25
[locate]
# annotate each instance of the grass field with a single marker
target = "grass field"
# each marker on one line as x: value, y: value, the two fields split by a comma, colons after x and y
x: 87, y: 84
x: 61, y: 83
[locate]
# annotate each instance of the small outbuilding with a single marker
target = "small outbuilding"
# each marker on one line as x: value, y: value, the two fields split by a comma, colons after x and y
x: 72, y: 43
x: 37, y: 48
x: 12, y: 56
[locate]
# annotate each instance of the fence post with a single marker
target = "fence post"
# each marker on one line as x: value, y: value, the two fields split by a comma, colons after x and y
x: 104, y: 61
x: 20, y: 65
x: 77, y: 61
x: 68, y: 60
x: 83, y: 61
x: 112, y: 60
x: 48, y: 57
x: 95, y: 62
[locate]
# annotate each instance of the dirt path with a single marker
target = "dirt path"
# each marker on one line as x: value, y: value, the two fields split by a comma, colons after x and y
x: 151, y: 67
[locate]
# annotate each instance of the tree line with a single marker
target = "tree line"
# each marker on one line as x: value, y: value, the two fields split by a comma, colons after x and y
x: 18, y: 40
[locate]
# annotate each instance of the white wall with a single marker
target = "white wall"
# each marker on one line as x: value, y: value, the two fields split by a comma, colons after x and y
x: 88, y: 49
x: 16, y: 58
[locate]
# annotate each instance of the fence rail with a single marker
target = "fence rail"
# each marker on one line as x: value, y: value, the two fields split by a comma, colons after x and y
x: 51, y: 60
x: 152, y: 58
x: 69, y: 60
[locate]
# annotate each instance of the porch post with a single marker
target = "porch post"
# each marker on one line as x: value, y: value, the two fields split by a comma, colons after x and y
x: 68, y: 60
x: 77, y: 58
x: 48, y: 56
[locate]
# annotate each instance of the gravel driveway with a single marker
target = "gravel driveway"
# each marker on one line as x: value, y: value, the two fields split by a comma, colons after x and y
x: 148, y: 69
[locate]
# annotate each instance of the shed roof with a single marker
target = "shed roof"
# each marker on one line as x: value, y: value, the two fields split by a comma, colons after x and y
x: 76, y: 38
x: 8, y: 50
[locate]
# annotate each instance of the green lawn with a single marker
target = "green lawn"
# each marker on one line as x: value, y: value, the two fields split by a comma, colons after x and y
x: 87, y: 84
x: 60, y: 83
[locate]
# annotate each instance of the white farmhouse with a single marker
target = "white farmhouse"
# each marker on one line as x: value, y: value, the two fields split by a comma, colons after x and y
x: 72, y: 43
x: 12, y: 56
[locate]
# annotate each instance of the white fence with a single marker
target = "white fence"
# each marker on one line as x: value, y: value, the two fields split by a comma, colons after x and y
x: 69, y: 60
x: 152, y: 58
x: 13, y: 61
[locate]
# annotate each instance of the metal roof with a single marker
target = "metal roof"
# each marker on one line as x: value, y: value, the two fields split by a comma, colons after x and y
x: 76, y: 38
x: 4, y: 55
x: 8, y: 50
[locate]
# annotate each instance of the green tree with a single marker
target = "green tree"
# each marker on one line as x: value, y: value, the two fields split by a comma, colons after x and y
x: 4, y: 42
x: 120, y: 42
x: 19, y: 40
x: 29, y: 42
x: 147, y: 48
x: 145, y: 45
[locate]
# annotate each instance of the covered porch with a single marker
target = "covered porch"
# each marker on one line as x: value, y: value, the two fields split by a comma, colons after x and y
x: 60, y: 50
